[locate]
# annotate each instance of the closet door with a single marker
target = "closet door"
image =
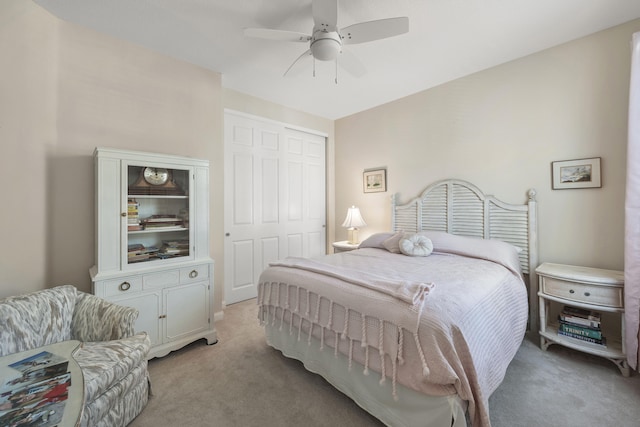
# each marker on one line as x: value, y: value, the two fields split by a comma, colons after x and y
x: 274, y: 199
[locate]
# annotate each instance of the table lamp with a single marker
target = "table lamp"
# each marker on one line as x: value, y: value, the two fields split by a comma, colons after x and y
x: 352, y: 222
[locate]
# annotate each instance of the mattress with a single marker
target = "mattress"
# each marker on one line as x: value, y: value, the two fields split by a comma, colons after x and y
x: 443, y: 325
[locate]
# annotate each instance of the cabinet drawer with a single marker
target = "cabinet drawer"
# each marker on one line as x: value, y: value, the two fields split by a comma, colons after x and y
x: 583, y: 292
x: 161, y: 279
x: 122, y: 286
x: 193, y: 274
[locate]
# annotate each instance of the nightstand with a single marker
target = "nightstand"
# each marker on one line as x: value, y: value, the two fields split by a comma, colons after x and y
x: 344, y: 246
x: 587, y: 288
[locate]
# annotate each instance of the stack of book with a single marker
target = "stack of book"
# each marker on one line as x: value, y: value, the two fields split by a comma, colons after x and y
x: 163, y: 222
x: 33, y: 391
x: 133, y: 219
x: 172, y: 248
x: 138, y: 252
x: 581, y: 324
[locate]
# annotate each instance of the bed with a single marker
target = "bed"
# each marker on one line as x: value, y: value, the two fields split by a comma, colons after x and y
x: 419, y: 324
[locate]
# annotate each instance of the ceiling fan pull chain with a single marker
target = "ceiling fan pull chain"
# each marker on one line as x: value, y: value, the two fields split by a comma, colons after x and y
x: 314, y: 67
x: 336, y: 70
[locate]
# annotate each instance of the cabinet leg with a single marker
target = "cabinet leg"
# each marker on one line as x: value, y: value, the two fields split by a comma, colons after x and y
x: 623, y: 366
x: 544, y: 344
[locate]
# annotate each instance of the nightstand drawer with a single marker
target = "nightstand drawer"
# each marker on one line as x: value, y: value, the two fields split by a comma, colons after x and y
x: 586, y: 293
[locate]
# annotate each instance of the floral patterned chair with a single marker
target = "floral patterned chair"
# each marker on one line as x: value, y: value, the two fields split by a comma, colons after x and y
x: 113, y: 359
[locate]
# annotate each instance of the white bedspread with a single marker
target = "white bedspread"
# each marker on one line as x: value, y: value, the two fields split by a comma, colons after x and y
x: 468, y: 325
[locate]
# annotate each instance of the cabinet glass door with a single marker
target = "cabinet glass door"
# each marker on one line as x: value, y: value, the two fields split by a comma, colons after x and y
x: 157, y: 214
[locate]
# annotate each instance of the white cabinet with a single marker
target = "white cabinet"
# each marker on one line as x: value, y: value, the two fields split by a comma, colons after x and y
x: 593, y: 289
x: 152, y: 244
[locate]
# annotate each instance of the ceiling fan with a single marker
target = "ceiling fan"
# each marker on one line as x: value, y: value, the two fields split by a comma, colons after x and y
x: 326, y: 39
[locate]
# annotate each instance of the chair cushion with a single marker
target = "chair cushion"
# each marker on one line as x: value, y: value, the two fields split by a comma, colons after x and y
x: 106, y: 363
x: 36, y: 319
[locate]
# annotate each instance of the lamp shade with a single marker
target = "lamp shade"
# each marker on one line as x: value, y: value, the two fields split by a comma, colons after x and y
x: 354, y: 218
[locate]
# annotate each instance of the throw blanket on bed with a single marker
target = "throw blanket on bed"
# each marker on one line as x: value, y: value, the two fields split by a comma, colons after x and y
x: 410, y: 292
x: 459, y: 339
x: 354, y: 317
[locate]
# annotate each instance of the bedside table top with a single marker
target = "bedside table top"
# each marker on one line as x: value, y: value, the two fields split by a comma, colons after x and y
x: 345, y: 245
x: 581, y: 274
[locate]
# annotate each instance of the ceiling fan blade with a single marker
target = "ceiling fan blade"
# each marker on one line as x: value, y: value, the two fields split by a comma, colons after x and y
x: 325, y: 14
x: 305, y: 54
x: 374, y: 30
x: 351, y: 63
x: 278, y: 35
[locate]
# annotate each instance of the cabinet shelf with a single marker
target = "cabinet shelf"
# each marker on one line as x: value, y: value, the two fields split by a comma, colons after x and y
x: 156, y: 196
x: 154, y: 255
x: 159, y: 230
x: 613, y: 349
x: 157, y: 258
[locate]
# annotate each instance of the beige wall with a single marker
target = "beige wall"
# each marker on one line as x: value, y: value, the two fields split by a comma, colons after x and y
x: 500, y: 129
x: 65, y: 90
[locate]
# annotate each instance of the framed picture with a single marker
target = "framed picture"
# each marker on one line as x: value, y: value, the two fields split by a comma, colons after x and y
x: 580, y: 173
x: 374, y: 180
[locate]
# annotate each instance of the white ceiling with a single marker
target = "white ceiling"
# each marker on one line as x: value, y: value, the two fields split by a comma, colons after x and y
x: 447, y: 39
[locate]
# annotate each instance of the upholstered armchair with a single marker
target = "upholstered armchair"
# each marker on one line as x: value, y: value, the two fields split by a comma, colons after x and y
x: 113, y: 359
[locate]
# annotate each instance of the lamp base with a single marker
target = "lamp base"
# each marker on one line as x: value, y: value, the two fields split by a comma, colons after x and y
x: 352, y: 236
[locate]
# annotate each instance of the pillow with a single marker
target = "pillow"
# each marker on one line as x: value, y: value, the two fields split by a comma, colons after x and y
x: 494, y: 250
x: 375, y: 240
x: 416, y: 245
x: 392, y: 244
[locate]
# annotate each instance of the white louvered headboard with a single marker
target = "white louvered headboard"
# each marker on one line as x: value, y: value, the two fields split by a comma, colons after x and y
x: 459, y: 207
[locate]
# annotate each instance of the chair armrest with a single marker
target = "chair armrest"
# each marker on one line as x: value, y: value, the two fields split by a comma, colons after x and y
x: 96, y: 319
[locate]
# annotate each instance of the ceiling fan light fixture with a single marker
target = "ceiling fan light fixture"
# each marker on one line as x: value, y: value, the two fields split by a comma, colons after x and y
x: 326, y: 46
x: 325, y: 41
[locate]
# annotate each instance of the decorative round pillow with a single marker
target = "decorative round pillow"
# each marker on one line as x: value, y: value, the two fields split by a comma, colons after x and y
x: 416, y: 245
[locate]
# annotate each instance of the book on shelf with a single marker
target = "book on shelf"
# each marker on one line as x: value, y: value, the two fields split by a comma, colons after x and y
x: 580, y: 330
x: 135, y: 247
x: 602, y: 342
x: 174, y: 247
x: 162, y: 218
x: 181, y: 243
x: 577, y: 321
x: 138, y: 252
x: 581, y: 312
x: 162, y: 222
x: 132, y: 211
x: 580, y: 316
x: 149, y: 250
x: 164, y: 226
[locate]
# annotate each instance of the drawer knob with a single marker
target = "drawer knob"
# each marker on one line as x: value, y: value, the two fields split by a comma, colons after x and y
x: 586, y: 294
x: 125, y: 286
x: 571, y: 291
x: 193, y: 274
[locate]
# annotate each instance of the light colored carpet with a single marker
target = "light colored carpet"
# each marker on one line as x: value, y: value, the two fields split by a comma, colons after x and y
x: 240, y: 381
